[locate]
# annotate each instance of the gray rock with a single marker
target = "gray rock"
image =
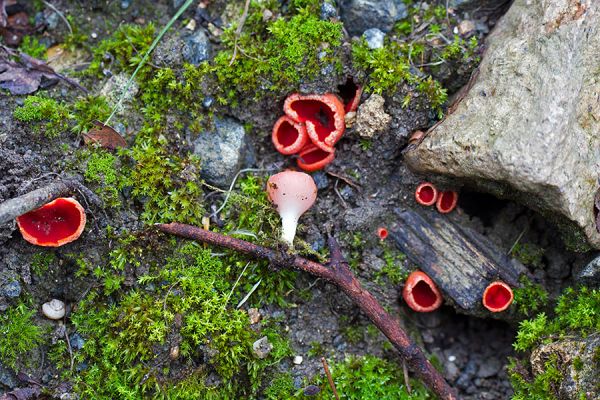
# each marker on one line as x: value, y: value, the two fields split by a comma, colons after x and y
x: 77, y: 341
x: 474, y: 4
x: 8, y: 377
x: 577, y: 362
x: 125, y: 4
x: 196, y: 47
x: 371, y: 117
x: 489, y: 368
x: 321, y: 179
x: 52, y: 21
x: 262, y: 347
x: 360, y: 15
x: 529, y: 127
x: 328, y: 11
x: 590, y: 274
x: 374, y: 38
x: 113, y: 88
x: 11, y: 289
x: 169, y: 51
x: 221, y: 152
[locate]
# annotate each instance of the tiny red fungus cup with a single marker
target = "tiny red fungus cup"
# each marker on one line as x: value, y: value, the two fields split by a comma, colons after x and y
x: 54, y: 224
x: 382, y: 233
x: 313, y: 158
x: 446, y: 201
x: 292, y: 193
x: 426, y: 194
x: 350, y: 93
x: 289, y: 136
x: 498, y: 296
x: 322, y: 114
x: 420, y: 293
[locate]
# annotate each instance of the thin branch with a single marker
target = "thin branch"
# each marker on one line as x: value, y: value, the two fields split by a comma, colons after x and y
x: 60, y: 14
x: 337, y: 272
x: 238, y: 31
x: 329, y: 378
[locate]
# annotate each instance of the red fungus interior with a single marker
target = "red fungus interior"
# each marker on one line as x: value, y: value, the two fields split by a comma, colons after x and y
x: 287, y: 134
x: 347, y: 92
x: 426, y: 194
x: 314, y: 156
x: 318, y: 113
x: 50, y: 224
x: 423, y: 295
x: 497, y: 296
x: 447, y: 200
x: 383, y: 233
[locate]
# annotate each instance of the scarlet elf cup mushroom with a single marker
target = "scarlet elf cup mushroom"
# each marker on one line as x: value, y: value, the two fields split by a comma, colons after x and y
x: 292, y: 193
x: 54, y: 224
x: 420, y: 293
x: 497, y: 296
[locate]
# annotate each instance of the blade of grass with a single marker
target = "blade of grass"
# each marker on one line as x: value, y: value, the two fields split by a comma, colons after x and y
x: 145, y: 58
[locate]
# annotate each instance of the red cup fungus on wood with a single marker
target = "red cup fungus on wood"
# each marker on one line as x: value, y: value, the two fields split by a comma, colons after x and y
x: 289, y: 136
x: 312, y: 158
x: 54, y: 224
x: 446, y: 201
x: 420, y: 293
x: 322, y: 114
x: 497, y: 297
x: 426, y: 194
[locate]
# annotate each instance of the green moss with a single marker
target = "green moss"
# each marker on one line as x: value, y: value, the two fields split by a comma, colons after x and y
x: 190, y: 295
x: 18, y: 334
x: 370, y: 378
x: 51, y: 115
x: 543, y: 386
x: 32, y: 46
x: 530, y: 297
x: 529, y: 254
x: 281, y: 387
x: 576, y: 311
x: 40, y: 262
x: 393, y: 269
x: 88, y: 109
x: 103, y: 169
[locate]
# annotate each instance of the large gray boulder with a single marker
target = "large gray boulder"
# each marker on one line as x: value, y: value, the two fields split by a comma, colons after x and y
x: 529, y: 127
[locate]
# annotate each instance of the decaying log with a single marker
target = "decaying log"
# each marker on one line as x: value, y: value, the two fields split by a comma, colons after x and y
x: 460, y: 261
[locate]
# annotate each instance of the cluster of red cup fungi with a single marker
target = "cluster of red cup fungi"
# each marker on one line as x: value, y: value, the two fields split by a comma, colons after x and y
x: 428, y: 195
x: 313, y: 124
x: 54, y: 224
x: 422, y: 295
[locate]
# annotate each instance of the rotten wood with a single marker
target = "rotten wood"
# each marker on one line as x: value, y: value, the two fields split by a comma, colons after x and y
x: 12, y: 208
x: 337, y: 272
x: 459, y: 260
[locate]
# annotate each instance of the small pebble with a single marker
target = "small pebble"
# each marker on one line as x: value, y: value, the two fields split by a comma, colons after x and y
x: 54, y: 309
x: 298, y: 360
x: 466, y: 27
x: 262, y: 347
x: 374, y: 38
x: 328, y: 11
x: 254, y: 315
x: 94, y: 35
x: 13, y: 289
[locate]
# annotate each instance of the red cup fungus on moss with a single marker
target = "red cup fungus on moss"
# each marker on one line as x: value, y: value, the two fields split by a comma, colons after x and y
x: 292, y: 193
x: 426, y: 194
x: 420, y: 293
x: 446, y: 201
x: 289, y: 136
x: 54, y: 224
x: 497, y: 297
x: 311, y: 158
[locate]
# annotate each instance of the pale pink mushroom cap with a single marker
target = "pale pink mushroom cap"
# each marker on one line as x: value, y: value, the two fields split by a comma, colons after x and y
x: 292, y: 193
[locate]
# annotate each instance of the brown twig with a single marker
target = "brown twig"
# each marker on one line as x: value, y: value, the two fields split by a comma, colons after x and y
x: 329, y: 378
x: 12, y: 208
x: 238, y: 31
x: 338, y: 272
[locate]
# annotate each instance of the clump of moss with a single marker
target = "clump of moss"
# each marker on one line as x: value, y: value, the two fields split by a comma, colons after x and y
x: 370, y: 378
x: 393, y: 269
x: 528, y: 253
x: 40, y: 109
x: 281, y: 387
x: 40, y: 262
x: 104, y: 169
x: 577, y: 311
x: 530, y: 298
x: 191, y: 296
x: 32, y: 46
x: 18, y: 334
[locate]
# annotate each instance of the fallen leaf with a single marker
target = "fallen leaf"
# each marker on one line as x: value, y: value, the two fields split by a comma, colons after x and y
x: 105, y: 136
x: 29, y: 393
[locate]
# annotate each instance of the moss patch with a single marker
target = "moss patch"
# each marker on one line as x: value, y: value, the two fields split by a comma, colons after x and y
x: 19, y: 335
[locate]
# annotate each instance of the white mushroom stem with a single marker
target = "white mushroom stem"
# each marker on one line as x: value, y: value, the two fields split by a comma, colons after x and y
x: 289, y: 223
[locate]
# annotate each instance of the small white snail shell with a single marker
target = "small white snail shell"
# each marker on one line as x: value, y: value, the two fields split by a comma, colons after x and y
x: 54, y: 309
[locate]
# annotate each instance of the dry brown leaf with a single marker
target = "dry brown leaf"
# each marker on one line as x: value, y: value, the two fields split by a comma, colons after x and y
x: 105, y: 136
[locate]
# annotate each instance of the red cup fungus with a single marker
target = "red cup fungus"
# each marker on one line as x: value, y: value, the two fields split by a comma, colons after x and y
x: 350, y: 93
x: 426, y: 194
x: 312, y: 158
x: 292, y: 193
x: 288, y: 136
x: 322, y: 114
x: 498, y: 296
x: 54, y: 224
x: 420, y: 293
x: 446, y: 201
x: 382, y: 233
